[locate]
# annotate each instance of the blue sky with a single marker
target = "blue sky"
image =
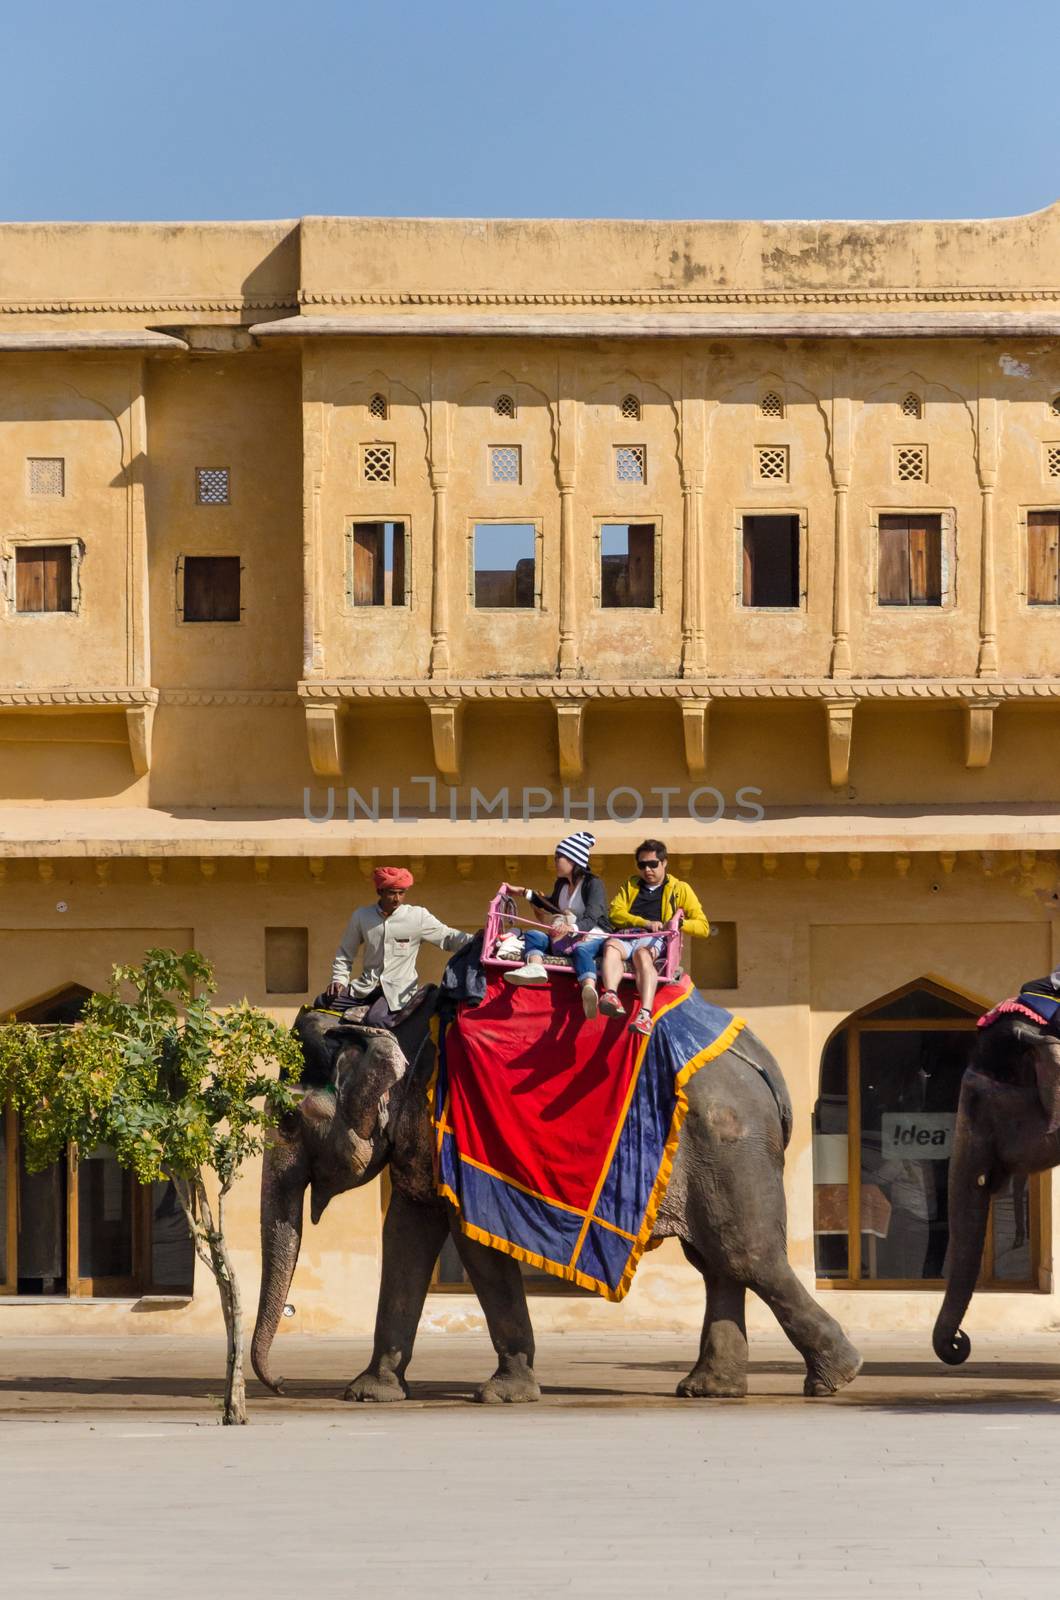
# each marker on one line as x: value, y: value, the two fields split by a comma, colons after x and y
x: 203, y: 109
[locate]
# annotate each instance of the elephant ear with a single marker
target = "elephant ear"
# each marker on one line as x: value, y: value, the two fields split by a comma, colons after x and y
x: 367, y: 1068
x: 1047, y: 1075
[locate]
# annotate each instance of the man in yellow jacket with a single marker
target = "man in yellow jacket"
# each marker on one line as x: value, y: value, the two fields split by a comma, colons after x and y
x: 648, y: 900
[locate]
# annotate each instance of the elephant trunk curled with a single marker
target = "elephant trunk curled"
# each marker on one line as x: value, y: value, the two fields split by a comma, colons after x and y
x: 969, y: 1209
x: 284, y: 1177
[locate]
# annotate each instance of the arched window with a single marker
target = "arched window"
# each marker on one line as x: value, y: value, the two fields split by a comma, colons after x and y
x: 882, y: 1136
x: 630, y: 408
x: 377, y: 407
x: 504, y: 406
x: 1054, y: 405
x: 911, y: 406
x: 772, y: 405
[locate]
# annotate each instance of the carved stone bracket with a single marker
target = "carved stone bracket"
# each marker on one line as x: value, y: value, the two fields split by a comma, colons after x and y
x: 325, y: 740
x: 979, y: 732
x: 446, y: 719
x: 840, y: 721
x: 694, y: 717
x: 570, y: 724
x: 140, y: 722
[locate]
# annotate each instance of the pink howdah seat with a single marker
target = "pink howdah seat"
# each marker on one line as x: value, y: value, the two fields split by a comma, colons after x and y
x: 503, y: 918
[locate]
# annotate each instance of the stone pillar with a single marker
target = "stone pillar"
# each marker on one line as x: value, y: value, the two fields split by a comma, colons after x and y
x: 568, y: 570
x: 987, y: 667
x: 440, y: 591
x: 693, y: 640
x: 841, y: 589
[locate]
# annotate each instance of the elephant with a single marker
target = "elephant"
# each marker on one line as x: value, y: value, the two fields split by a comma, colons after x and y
x: 725, y: 1203
x: 1008, y: 1125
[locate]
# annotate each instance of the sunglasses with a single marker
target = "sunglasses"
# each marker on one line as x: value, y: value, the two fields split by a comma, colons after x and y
x: 649, y: 863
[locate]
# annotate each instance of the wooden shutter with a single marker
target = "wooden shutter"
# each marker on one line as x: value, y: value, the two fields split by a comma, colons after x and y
x: 211, y: 589
x: 368, y: 564
x: 749, y: 561
x: 893, y: 584
x: 397, y: 581
x: 43, y: 578
x: 925, y: 561
x: 641, y: 561
x: 1043, y: 575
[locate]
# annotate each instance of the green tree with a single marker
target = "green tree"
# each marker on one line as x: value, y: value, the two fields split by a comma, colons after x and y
x: 177, y: 1088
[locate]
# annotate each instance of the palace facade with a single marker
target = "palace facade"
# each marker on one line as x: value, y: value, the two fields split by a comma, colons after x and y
x: 344, y: 540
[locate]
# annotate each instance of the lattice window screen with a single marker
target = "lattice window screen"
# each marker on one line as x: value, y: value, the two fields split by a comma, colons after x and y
x: 377, y: 407
x: 911, y: 463
x: 505, y: 463
x: 46, y: 475
x: 772, y: 463
x: 212, y: 486
x: 631, y: 408
x: 631, y: 463
x: 911, y: 406
x: 1052, y: 460
x: 772, y: 404
x: 504, y: 406
x: 378, y: 463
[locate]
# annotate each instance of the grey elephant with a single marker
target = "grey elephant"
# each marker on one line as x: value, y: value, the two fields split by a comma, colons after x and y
x: 1008, y: 1126
x: 725, y: 1203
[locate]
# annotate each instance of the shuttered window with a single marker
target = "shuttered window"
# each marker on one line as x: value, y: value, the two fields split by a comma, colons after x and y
x: 627, y: 564
x: 1043, y: 574
x: 771, y: 561
x: 910, y: 560
x: 211, y: 589
x: 377, y: 564
x: 43, y: 578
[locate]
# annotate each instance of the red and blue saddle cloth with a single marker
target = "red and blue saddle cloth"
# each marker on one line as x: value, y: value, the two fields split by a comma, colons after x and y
x: 555, y: 1136
x: 1038, y: 1001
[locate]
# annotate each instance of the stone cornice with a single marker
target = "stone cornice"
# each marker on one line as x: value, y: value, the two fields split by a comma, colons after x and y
x: 946, y: 690
x: 228, y: 697
x: 58, y: 308
x: 43, y: 339
x: 683, y: 297
x: 75, y: 699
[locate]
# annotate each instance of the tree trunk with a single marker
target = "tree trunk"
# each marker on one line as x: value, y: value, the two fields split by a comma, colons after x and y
x: 235, y: 1399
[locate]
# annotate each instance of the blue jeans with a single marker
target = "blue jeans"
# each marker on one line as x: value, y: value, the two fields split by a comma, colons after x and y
x: 583, y: 956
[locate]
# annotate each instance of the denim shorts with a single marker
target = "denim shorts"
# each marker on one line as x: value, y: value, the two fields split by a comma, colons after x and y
x: 654, y: 943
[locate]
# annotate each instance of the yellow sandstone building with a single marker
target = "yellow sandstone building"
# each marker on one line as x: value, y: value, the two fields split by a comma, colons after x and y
x: 346, y: 540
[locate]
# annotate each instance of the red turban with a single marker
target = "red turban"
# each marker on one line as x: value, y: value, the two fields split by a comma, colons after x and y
x: 392, y: 878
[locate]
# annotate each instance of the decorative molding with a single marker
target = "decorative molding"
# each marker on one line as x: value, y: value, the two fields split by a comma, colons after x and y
x: 673, y: 297
x: 839, y: 716
x: 954, y: 691
x: 56, y: 308
x: 228, y: 697
x: 75, y: 699
x: 570, y: 728
x: 140, y: 721
x: 324, y: 737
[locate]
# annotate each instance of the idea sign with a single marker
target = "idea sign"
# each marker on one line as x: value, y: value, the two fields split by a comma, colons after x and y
x: 917, y: 1135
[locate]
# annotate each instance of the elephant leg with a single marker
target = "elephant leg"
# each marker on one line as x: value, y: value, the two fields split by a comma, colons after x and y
x: 413, y: 1234
x: 721, y: 1371
x: 498, y: 1283
x: 831, y: 1360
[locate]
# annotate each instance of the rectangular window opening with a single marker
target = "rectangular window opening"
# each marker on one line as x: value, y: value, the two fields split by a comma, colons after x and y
x: 212, y: 486
x: 1043, y: 576
x: 44, y: 578
x: 771, y: 561
x: 378, y: 463
x: 627, y: 564
x: 286, y: 960
x: 46, y: 475
x: 506, y: 463
x: 910, y: 560
x: 631, y: 463
x: 212, y: 589
x: 378, y: 559
x: 505, y: 565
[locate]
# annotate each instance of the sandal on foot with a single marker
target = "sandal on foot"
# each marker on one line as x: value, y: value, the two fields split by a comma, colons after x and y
x: 610, y: 1004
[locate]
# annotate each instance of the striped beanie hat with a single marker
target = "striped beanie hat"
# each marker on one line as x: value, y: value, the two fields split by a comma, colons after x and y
x: 576, y: 848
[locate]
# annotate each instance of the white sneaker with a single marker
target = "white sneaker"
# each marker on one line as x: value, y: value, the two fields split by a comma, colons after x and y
x: 533, y: 972
x: 590, y: 999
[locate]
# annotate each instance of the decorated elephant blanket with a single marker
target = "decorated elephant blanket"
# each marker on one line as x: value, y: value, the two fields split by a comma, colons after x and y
x: 555, y: 1136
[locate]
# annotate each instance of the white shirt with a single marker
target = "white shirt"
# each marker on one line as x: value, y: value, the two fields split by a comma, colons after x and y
x: 391, y: 945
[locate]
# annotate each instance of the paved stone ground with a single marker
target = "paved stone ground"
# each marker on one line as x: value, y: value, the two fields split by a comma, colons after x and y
x: 115, y: 1479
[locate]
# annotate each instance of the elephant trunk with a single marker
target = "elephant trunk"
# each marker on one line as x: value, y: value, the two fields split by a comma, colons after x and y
x: 969, y: 1210
x: 283, y: 1184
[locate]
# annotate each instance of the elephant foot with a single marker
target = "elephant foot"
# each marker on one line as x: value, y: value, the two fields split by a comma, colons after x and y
x: 827, y: 1374
x: 377, y: 1388
x: 702, y: 1384
x: 510, y: 1389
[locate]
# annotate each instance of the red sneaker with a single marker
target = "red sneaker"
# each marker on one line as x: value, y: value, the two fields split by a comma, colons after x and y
x: 641, y: 1022
x: 610, y: 1004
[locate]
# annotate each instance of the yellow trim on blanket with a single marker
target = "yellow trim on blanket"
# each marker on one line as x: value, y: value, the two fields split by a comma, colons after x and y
x: 642, y: 1240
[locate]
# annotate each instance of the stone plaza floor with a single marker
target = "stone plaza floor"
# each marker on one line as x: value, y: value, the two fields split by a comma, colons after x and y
x: 116, y: 1480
